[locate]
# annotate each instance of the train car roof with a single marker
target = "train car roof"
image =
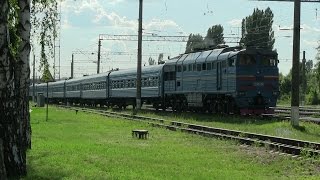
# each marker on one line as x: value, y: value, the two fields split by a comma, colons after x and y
x: 144, y: 69
x: 104, y: 74
x: 57, y: 82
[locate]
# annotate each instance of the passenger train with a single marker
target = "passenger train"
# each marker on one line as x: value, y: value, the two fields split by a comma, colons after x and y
x: 223, y: 80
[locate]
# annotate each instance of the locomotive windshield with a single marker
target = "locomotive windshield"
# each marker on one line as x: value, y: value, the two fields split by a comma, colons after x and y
x: 247, y: 60
x: 267, y: 60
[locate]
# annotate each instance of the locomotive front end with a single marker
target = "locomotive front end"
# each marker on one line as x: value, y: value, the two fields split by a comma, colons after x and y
x: 257, y: 83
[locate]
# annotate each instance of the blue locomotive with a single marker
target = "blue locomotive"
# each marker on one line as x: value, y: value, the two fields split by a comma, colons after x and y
x: 223, y: 80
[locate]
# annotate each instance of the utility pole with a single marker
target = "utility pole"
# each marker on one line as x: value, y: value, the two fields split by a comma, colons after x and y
x: 303, y: 78
x: 295, y: 65
x: 138, y: 100
x: 34, y: 78
x: 72, y: 63
x: 98, y: 63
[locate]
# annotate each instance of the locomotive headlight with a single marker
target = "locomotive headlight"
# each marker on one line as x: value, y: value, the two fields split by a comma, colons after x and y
x: 275, y: 93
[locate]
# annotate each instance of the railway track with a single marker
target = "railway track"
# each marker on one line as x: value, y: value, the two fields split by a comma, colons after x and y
x: 286, y: 145
x: 306, y: 113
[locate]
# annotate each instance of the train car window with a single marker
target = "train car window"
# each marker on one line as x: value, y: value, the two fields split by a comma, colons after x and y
x: 209, y: 65
x: 184, y: 67
x: 178, y: 83
x: 247, y: 60
x: 204, y: 66
x: 268, y: 61
x: 231, y: 62
x: 194, y: 67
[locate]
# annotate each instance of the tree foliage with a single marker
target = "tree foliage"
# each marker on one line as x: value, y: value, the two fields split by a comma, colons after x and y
x: 195, y: 41
x: 309, y: 84
x: 317, y: 71
x: 151, y: 61
x: 257, y: 29
x: 44, y: 20
x: 214, y: 36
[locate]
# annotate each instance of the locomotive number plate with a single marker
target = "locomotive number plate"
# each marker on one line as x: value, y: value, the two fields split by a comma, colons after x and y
x: 258, y: 84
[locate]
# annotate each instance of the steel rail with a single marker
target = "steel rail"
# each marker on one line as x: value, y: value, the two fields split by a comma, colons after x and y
x: 286, y: 145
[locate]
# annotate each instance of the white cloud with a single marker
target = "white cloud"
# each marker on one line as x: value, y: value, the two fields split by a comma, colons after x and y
x: 311, y: 43
x: 101, y: 16
x: 308, y: 29
x: 235, y: 22
x: 114, y: 2
x: 65, y: 24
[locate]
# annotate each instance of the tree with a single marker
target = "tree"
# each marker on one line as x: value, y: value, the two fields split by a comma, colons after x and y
x: 160, y: 59
x: 10, y: 131
x: 257, y: 29
x: 318, y: 66
x: 15, y: 130
x: 214, y: 36
x: 151, y: 61
x: 195, y: 42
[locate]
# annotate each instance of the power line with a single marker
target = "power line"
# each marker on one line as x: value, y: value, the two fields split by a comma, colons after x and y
x: 114, y: 37
x: 312, y: 1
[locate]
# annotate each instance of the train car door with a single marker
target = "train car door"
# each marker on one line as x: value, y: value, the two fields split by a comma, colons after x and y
x: 219, y: 76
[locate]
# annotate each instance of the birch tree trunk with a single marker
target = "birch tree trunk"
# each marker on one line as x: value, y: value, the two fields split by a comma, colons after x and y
x: 22, y: 72
x: 10, y: 130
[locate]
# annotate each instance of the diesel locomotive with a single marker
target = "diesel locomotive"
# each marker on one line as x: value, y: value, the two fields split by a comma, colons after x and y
x: 223, y: 80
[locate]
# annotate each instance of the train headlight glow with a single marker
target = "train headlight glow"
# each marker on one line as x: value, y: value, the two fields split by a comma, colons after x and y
x: 241, y: 93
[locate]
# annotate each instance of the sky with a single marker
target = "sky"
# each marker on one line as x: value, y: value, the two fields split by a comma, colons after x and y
x: 83, y: 20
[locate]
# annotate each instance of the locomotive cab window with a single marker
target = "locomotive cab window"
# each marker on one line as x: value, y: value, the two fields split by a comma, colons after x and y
x: 232, y: 62
x: 247, y: 60
x: 268, y: 61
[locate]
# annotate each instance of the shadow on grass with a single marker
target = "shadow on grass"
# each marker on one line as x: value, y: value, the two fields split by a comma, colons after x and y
x: 300, y: 128
x: 206, y: 117
x: 304, y: 130
x: 44, y: 174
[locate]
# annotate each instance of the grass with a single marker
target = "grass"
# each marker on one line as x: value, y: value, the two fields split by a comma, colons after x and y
x: 307, y: 130
x: 84, y: 146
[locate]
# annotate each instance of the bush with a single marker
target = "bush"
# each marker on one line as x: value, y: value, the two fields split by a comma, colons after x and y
x: 313, y: 98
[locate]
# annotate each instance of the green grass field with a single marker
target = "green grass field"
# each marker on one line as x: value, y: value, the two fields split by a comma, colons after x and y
x: 307, y: 131
x: 84, y: 146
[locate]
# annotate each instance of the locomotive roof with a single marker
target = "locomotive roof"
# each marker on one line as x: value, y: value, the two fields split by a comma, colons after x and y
x: 200, y: 56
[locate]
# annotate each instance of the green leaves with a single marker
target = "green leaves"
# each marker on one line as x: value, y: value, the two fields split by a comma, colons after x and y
x: 44, y: 19
x: 257, y: 29
x: 213, y: 38
x: 195, y: 41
